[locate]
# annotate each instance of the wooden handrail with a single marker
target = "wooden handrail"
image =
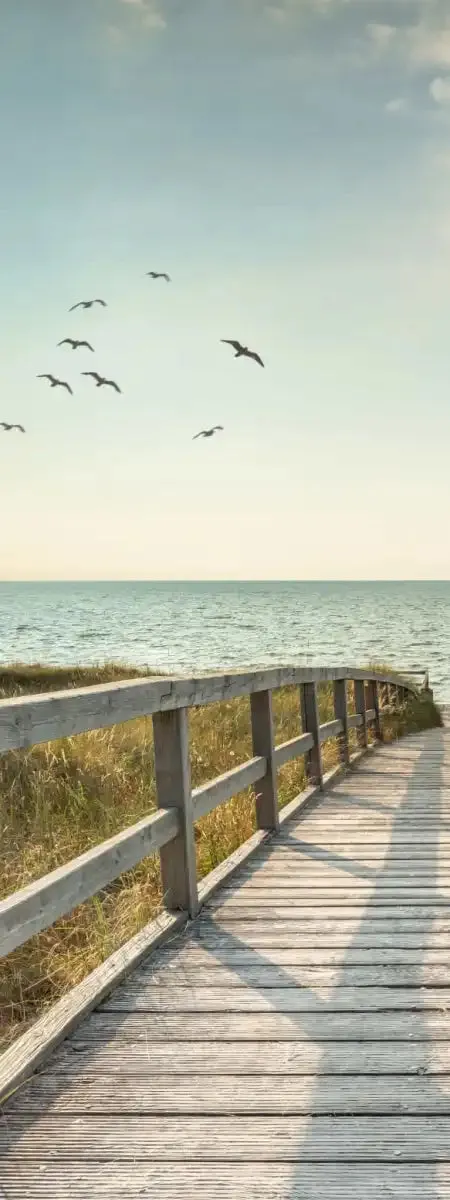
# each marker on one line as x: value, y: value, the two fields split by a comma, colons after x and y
x: 29, y: 721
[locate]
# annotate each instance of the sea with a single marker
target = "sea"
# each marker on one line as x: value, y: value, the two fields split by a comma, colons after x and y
x: 199, y: 627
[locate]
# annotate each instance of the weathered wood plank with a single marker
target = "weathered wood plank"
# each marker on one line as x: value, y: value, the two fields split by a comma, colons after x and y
x: 84, y: 1094
x: 317, y: 896
x: 192, y: 974
x: 255, y: 1138
x: 28, y: 721
x: 329, y: 730
x: 310, y: 722
x: 199, y: 956
x: 173, y: 788
x: 247, y: 1057
x: 296, y: 746
x: 204, y: 799
x: 267, y: 816
x: 320, y: 1026
x: 38, y: 905
x: 351, y: 934
x: 157, y: 998
x: 341, y: 714
x: 228, y: 1181
x: 415, y: 915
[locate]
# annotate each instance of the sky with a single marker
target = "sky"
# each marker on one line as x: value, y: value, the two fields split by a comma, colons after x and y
x: 288, y: 164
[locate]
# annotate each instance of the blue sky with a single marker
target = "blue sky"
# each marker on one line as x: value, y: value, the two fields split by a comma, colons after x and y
x: 289, y: 165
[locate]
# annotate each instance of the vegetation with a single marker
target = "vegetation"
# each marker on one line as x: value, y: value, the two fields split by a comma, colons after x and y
x: 59, y: 799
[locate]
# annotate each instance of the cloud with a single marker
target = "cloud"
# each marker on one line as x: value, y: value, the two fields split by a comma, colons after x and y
x: 440, y: 90
x: 381, y: 35
x: 146, y: 13
x: 429, y: 46
x: 398, y: 104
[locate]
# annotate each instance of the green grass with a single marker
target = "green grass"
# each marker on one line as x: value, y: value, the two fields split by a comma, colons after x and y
x: 59, y: 799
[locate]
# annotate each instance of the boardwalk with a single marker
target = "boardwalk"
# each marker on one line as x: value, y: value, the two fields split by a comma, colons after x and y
x: 293, y: 1042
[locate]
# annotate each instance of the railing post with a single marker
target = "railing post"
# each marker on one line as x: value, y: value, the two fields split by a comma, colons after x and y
x: 173, y: 785
x: 267, y: 815
x: 360, y: 708
x: 341, y: 714
x: 310, y: 722
x: 375, y: 704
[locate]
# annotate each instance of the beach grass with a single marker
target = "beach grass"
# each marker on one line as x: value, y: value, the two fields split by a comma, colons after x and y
x: 61, y: 798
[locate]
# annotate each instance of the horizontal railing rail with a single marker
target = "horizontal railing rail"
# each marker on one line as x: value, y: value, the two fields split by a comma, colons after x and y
x: 25, y: 722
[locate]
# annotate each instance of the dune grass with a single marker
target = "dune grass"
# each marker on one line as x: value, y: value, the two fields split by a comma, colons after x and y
x: 60, y: 798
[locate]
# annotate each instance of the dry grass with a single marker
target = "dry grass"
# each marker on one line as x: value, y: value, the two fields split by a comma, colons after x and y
x: 58, y: 799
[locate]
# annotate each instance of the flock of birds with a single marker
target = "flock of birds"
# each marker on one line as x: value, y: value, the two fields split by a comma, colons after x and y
x: 101, y: 380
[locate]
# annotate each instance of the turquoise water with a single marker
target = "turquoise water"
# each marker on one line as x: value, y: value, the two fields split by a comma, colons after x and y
x: 192, y: 627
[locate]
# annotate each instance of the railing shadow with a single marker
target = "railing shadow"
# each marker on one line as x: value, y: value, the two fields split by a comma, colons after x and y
x: 311, y: 1148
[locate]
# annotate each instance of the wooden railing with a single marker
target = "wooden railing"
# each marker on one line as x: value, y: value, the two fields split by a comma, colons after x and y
x: 25, y: 722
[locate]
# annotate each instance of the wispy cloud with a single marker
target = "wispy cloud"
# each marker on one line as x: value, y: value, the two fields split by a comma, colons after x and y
x: 440, y: 90
x: 381, y: 35
x: 398, y: 104
x: 147, y: 13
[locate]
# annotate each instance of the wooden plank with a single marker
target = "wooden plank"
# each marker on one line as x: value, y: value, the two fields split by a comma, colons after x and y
x: 296, y: 746
x: 329, y: 730
x: 267, y: 933
x: 34, y: 1046
x: 261, y: 1026
x: 27, y: 721
x: 227, y: 1181
x: 199, y: 956
x: 354, y: 720
x: 310, y: 722
x: 156, y: 998
x: 341, y: 714
x: 403, y: 914
x: 264, y: 746
x: 38, y: 905
x: 173, y: 788
x: 206, y: 798
x: 217, y: 974
x: 252, y: 1138
x: 251, y: 896
x: 82, y: 1094
x: 360, y: 706
x: 253, y: 1057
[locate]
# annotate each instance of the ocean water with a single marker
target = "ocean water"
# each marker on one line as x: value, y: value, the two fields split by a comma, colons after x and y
x: 193, y: 627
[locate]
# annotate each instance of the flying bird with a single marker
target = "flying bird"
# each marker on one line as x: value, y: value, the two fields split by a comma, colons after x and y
x: 88, y: 304
x: 207, y: 432
x: 100, y: 380
x: 242, y: 350
x: 74, y: 343
x: 7, y: 427
x: 54, y: 382
x: 159, y: 275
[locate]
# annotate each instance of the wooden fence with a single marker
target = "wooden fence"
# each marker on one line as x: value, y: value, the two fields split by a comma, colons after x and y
x: 25, y: 722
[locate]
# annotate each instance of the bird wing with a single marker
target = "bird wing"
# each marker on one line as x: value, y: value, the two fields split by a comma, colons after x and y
x: 88, y: 344
x: 21, y: 428
x: 62, y: 383
x: 232, y: 342
x: 5, y: 425
x: 164, y: 275
x: 45, y: 377
x: 218, y: 427
x: 69, y: 340
x: 113, y: 384
x: 92, y: 374
x: 103, y: 302
x: 253, y: 354
x: 201, y: 434
x: 79, y: 305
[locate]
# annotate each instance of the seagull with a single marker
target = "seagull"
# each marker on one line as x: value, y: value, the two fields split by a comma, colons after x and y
x: 100, y: 380
x: 88, y: 304
x: 75, y: 344
x: 54, y: 382
x: 7, y: 427
x: 242, y: 350
x: 159, y: 275
x: 207, y: 432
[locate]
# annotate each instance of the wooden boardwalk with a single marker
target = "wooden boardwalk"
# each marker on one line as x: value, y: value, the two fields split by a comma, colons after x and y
x: 293, y: 1042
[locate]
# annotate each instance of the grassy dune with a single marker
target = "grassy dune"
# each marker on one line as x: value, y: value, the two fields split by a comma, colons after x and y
x: 59, y: 799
